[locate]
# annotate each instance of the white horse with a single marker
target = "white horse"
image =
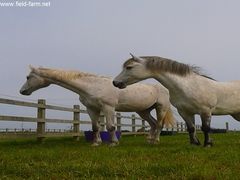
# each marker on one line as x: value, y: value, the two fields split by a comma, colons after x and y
x: 190, y: 91
x: 98, y: 94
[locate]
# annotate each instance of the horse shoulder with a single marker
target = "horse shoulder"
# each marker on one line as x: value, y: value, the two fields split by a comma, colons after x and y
x: 162, y: 91
x: 100, y: 92
x: 197, y: 94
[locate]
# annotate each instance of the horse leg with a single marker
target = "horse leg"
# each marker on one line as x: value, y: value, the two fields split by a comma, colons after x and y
x: 109, y: 114
x: 151, y: 121
x: 206, y: 120
x: 189, y: 119
x: 161, y: 113
x: 94, y: 115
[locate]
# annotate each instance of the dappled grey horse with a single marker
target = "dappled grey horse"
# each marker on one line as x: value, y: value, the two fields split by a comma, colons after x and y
x: 191, y: 92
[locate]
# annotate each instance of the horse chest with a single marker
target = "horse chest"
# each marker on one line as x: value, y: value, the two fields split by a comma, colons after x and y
x: 91, y: 102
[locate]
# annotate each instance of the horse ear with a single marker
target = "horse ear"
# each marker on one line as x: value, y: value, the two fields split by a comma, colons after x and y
x: 33, y: 69
x: 136, y: 58
x: 132, y: 55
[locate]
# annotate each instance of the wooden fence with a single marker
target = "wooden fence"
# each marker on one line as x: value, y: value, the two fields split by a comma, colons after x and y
x: 76, y: 121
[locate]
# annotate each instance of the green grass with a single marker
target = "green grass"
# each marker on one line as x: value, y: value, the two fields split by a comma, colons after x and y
x: 173, y: 158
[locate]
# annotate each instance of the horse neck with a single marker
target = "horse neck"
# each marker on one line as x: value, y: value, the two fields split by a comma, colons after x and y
x: 77, y: 85
x: 174, y: 83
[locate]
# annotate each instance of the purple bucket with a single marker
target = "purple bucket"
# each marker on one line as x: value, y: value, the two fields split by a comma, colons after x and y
x: 88, y: 135
x: 105, y: 136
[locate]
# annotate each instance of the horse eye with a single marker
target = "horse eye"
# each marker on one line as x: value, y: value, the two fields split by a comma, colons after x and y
x: 28, y: 77
x: 129, y: 67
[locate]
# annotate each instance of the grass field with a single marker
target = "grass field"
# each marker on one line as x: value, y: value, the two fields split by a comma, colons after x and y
x: 173, y: 158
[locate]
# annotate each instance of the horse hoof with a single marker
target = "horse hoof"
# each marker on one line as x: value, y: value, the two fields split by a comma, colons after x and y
x: 195, y: 143
x: 152, y: 141
x: 208, y: 144
x: 95, y: 144
x: 155, y: 141
x: 113, y: 144
x: 148, y: 138
x: 149, y: 141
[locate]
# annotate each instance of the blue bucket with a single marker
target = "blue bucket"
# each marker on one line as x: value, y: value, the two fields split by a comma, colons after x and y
x: 105, y: 136
x: 88, y: 136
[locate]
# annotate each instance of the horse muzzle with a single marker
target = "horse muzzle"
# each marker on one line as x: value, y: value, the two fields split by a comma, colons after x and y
x: 119, y: 84
x: 25, y: 92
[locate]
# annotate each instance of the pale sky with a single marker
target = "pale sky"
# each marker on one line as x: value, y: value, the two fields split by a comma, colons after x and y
x: 97, y: 37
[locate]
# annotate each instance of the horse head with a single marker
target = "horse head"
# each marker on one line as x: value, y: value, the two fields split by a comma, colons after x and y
x: 33, y: 82
x: 133, y: 71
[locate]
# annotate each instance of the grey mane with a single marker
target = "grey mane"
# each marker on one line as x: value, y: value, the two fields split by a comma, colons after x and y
x: 155, y: 63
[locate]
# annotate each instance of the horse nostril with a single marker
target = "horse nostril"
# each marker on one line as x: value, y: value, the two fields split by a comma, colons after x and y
x: 119, y: 84
x: 24, y: 92
x: 115, y: 83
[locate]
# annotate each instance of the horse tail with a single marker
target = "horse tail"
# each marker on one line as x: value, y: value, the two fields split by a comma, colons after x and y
x: 168, y: 119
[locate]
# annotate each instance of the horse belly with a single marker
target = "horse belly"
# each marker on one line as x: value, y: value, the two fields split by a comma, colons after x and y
x: 228, y: 101
x: 130, y: 107
x: 132, y: 101
x: 227, y: 108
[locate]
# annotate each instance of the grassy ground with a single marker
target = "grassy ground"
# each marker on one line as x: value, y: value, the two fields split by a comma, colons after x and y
x: 173, y: 158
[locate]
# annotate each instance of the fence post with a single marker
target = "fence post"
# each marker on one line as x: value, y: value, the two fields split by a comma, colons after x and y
x: 167, y: 129
x: 227, y: 126
x: 76, y: 123
x: 181, y: 126
x: 133, y: 123
x: 143, y: 125
x: 41, y: 121
x: 118, y: 122
x: 102, y: 122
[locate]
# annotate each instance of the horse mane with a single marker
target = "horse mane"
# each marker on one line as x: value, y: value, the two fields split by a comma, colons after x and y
x: 66, y: 75
x: 155, y: 63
